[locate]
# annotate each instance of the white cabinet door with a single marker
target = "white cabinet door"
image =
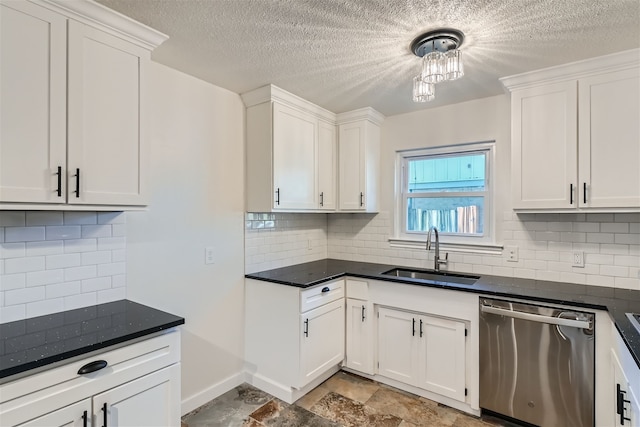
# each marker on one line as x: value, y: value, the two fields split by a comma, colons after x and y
x: 397, y: 345
x: 359, y: 351
x: 294, y: 158
x: 609, y: 140
x: 352, y: 164
x: 322, y: 343
x: 152, y: 400
x: 33, y: 108
x: 76, y: 415
x: 326, y: 166
x: 544, y: 146
x: 442, y: 364
x: 106, y: 143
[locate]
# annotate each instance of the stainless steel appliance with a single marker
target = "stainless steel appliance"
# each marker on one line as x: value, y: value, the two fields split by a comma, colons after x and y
x: 537, y: 363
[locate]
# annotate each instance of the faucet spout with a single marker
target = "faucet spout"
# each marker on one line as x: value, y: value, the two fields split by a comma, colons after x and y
x: 436, y: 257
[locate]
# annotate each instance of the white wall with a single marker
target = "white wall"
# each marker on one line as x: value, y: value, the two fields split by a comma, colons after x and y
x: 197, y: 200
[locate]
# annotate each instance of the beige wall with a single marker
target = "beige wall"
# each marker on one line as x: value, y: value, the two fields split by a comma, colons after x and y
x: 197, y: 200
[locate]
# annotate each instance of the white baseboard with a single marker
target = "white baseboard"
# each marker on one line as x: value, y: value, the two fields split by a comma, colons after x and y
x: 196, y: 400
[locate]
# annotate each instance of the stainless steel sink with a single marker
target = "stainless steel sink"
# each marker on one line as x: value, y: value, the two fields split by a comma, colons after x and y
x: 433, y: 276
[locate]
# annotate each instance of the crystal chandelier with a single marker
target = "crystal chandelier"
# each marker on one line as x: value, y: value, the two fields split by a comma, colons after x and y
x: 441, y: 61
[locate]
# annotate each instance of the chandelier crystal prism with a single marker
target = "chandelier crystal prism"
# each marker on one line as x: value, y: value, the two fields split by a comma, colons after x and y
x: 441, y: 61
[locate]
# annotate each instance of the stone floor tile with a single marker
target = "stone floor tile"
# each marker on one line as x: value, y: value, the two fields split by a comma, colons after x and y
x: 469, y: 421
x: 230, y: 409
x: 410, y: 408
x: 277, y: 413
x: 350, y: 413
x: 311, y: 398
x: 352, y: 386
x: 252, y: 423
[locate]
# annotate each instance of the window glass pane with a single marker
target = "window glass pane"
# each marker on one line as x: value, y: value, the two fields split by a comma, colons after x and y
x: 460, y: 215
x: 447, y: 173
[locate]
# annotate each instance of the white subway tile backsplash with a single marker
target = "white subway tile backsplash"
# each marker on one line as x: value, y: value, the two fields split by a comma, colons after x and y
x: 80, y: 245
x: 49, y: 258
x: 627, y: 283
x: 111, y: 243
x: 80, y: 218
x: 96, y: 231
x: 12, y: 218
x: 46, y: 277
x: 614, y: 270
x: 110, y: 295
x: 627, y: 239
x: 23, y: 234
x: 12, y: 250
x: 44, y: 218
x: 80, y: 273
x: 614, y: 227
x: 97, y: 284
x: 13, y: 281
x: 25, y: 295
x: 62, y: 232
x: 63, y: 261
x: 46, y: 247
x: 24, y: 265
x: 63, y: 289
x: 48, y: 306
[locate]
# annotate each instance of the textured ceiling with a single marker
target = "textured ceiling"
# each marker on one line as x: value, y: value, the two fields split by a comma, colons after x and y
x: 348, y: 54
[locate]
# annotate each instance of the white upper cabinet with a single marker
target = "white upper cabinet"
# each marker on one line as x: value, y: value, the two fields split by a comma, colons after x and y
x: 359, y: 160
x: 291, y: 153
x: 296, y: 164
x: 72, y: 128
x: 33, y: 85
x: 575, y: 136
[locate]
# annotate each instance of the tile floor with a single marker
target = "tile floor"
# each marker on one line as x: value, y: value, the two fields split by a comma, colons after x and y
x: 343, y: 400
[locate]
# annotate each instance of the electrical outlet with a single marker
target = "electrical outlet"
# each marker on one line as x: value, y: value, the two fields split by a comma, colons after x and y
x: 208, y: 255
x: 578, y: 259
x: 511, y: 253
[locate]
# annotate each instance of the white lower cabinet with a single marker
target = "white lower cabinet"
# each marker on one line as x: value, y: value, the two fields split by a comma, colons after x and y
x: 625, y: 384
x: 294, y: 337
x: 424, y: 351
x: 139, y: 386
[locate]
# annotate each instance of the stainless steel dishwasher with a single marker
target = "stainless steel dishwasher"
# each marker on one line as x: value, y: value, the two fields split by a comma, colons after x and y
x: 537, y: 363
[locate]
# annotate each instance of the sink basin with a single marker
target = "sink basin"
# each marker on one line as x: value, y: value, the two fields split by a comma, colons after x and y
x: 433, y: 276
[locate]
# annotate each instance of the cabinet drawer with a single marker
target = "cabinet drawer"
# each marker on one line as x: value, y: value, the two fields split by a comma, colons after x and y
x: 321, y: 294
x: 61, y: 386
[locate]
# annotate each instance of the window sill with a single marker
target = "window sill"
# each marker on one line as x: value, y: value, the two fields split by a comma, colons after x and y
x: 487, y: 249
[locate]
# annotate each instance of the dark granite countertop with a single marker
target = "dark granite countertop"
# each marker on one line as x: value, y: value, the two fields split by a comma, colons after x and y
x: 616, y: 301
x: 39, y: 341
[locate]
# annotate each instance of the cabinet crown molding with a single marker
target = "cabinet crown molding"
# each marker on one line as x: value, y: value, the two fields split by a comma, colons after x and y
x: 574, y: 70
x: 105, y: 19
x: 366, y: 113
x: 274, y: 93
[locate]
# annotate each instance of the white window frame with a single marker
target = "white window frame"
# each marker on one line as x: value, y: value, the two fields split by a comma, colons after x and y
x: 463, y: 243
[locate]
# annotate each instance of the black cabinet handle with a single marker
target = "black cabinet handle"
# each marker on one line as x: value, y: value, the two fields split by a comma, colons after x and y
x: 96, y: 365
x: 104, y: 415
x: 413, y: 332
x: 361, y: 199
x: 325, y: 289
x: 584, y: 192
x: 620, y: 401
x: 306, y: 328
x: 322, y: 198
x: 420, y: 328
x: 84, y: 419
x: 570, y: 194
x: 59, y: 173
x: 278, y: 196
x: 77, y: 175
x: 363, y: 313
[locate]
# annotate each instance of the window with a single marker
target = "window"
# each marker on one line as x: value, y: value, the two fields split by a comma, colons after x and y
x: 447, y: 188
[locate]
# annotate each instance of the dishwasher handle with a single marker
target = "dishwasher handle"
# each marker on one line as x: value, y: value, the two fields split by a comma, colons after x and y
x: 583, y: 324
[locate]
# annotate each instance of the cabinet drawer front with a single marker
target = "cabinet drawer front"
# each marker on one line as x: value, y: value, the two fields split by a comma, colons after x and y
x: 321, y: 294
x: 57, y: 387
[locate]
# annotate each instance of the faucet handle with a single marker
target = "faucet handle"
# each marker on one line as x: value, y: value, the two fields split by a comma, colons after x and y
x: 445, y: 260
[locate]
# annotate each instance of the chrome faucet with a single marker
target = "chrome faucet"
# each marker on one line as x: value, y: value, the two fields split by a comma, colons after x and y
x: 436, y: 259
